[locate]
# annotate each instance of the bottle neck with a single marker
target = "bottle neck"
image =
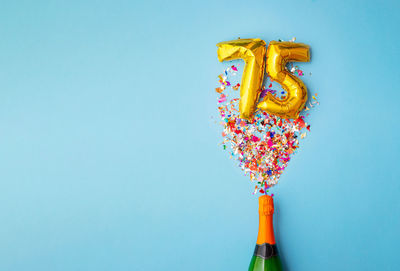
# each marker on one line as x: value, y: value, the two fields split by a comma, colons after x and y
x: 265, y: 226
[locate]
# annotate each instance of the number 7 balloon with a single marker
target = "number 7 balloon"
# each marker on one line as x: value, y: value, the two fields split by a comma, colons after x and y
x: 252, y: 51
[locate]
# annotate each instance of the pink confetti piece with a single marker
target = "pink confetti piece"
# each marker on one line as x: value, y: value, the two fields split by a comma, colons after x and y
x: 222, y: 98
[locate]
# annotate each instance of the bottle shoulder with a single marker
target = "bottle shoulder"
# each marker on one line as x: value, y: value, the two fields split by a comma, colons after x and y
x: 261, y: 264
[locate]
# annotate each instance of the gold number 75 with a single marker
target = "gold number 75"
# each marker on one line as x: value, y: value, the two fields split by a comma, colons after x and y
x: 256, y: 57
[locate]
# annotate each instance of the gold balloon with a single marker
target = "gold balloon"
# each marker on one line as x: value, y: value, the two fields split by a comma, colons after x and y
x: 278, y: 54
x: 252, y: 51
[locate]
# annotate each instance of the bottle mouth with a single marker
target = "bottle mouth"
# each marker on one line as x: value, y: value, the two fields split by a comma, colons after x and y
x: 266, y: 205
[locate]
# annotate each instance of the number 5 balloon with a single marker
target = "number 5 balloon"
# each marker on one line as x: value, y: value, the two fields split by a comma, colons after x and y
x: 278, y: 55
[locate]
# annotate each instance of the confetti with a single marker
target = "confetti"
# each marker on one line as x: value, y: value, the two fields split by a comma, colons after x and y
x: 220, y: 89
x: 264, y: 145
x: 222, y: 98
x: 236, y: 87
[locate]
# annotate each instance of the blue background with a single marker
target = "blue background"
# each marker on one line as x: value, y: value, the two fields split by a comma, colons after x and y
x: 109, y: 159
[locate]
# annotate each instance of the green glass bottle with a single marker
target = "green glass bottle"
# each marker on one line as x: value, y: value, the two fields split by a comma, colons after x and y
x: 265, y: 256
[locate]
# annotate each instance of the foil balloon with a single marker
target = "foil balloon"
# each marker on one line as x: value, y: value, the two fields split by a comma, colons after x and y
x: 252, y: 51
x: 278, y: 54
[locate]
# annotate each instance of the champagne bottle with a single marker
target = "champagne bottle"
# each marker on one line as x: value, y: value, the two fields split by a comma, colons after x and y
x: 265, y: 256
